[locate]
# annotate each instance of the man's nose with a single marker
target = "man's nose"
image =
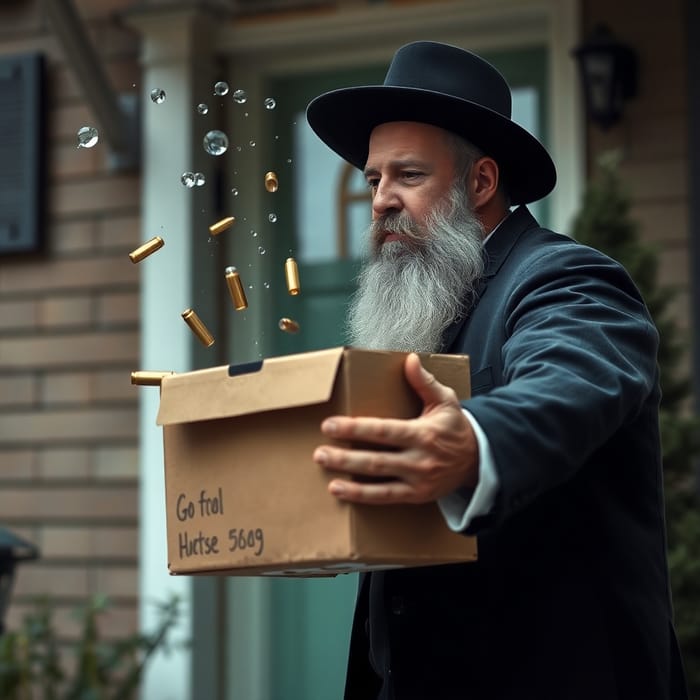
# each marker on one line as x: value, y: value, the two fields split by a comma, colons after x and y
x: 385, y: 199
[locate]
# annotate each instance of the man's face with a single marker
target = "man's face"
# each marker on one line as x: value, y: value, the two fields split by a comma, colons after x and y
x: 424, y: 243
x: 410, y: 168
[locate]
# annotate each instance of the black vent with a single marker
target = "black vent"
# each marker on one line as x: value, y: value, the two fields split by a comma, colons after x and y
x: 22, y: 153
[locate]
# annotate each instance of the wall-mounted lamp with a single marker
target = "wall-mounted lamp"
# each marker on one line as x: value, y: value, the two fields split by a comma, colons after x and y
x: 608, y: 71
x: 13, y: 550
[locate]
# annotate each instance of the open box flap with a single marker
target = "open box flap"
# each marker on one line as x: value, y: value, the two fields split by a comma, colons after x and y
x: 275, y: 383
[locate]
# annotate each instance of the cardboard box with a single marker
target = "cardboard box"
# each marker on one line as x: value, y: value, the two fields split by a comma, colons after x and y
x: 243, y: 495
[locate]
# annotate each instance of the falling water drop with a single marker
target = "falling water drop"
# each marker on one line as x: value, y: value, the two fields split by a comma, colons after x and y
x: 221, y: 88
x: 87, y: 136
x: 215, y: 142
x: 272, y: 217
x: 158, y: 96
x: 240, y: 96
x: 188, y: 179
x: 270, y: 103
x: 202, y: 108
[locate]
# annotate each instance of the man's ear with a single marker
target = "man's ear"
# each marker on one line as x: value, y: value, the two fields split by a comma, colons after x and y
x: 482, y: 182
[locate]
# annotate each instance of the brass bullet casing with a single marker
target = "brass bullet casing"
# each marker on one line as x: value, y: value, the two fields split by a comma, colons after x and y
x: 271, y: 182
x: 288, y: 325
x: 291, y: 272
x: 235, y: 287
x: 222, y: 225
x: 143, y: 251
x: 198, y: 328
x: 143, y: 378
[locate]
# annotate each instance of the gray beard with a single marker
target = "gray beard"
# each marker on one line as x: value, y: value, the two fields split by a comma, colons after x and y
x: 411, y: 290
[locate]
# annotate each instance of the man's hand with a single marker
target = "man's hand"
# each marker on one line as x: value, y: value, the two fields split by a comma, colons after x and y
x: 428, y: 457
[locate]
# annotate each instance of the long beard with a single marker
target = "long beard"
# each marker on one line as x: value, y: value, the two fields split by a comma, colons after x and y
x: 412, y: 289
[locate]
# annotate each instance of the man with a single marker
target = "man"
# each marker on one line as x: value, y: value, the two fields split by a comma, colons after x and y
x: 554, y: 462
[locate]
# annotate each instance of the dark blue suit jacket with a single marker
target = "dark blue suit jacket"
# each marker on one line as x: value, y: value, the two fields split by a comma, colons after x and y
x: 570, y: 596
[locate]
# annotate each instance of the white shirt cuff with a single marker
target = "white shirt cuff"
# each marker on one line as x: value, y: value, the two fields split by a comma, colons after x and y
x: 459, y: 511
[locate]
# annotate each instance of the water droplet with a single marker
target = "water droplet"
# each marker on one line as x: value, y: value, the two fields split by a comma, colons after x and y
x: 202, y: 108
x: 270, y: 103
x: 289, y: 160
x: 255, y: 233
x: 199, y: 179
x: 215, y: 142
x: 240, y: 96
x: 245, y: 114
x: 239, y: 149
x: 272, y: 217
x: 87, y: 136
x: 250, y: 286
x: 158, y: 96
x: 277, y: 137
x: 188, y: 179
x: 221, y: 88
x: 234, y: 191
x: 266, y: 285
x: 261, y: 250
x: 252, y: 143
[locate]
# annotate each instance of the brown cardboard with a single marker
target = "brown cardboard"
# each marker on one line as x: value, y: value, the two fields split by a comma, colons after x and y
x: 243, y: 495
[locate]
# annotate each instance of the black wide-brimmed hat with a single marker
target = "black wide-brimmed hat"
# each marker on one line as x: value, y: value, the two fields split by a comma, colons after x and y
x: 447, y: 87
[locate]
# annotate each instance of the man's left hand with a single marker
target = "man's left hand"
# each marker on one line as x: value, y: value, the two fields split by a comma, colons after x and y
x: 428, y: 456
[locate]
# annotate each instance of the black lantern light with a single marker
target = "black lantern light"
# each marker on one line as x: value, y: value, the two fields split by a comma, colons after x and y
x: 608, y: 72
x: 13, y: 550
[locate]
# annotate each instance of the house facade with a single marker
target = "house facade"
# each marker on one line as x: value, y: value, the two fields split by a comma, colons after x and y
x: 81, y: 463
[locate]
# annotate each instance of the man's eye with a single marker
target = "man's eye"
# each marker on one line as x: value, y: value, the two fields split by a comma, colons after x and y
x: 373, y: 183
x: 411, y: 175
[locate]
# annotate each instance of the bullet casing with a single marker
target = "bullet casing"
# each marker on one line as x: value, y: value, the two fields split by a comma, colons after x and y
x: 271, y: 182
x: 288, y: 325
x: 222, y: 225
x: 235, y: 287
x: 291, y: 272
x: 198, y: 328
x: 143, y: 251
x: 146, y: 378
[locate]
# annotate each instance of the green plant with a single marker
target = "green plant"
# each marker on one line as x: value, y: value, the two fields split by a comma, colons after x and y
x: 605, y: 223
x: 30, y: 667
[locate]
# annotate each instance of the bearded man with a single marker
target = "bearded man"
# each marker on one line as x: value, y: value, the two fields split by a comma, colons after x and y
x: 554, y: 463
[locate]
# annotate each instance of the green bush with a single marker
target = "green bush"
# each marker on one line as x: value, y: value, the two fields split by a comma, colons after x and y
x: 604, y: 222
x: 30, y: 668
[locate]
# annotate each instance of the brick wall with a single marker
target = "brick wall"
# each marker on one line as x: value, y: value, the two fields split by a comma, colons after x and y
x: 69, y: 338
